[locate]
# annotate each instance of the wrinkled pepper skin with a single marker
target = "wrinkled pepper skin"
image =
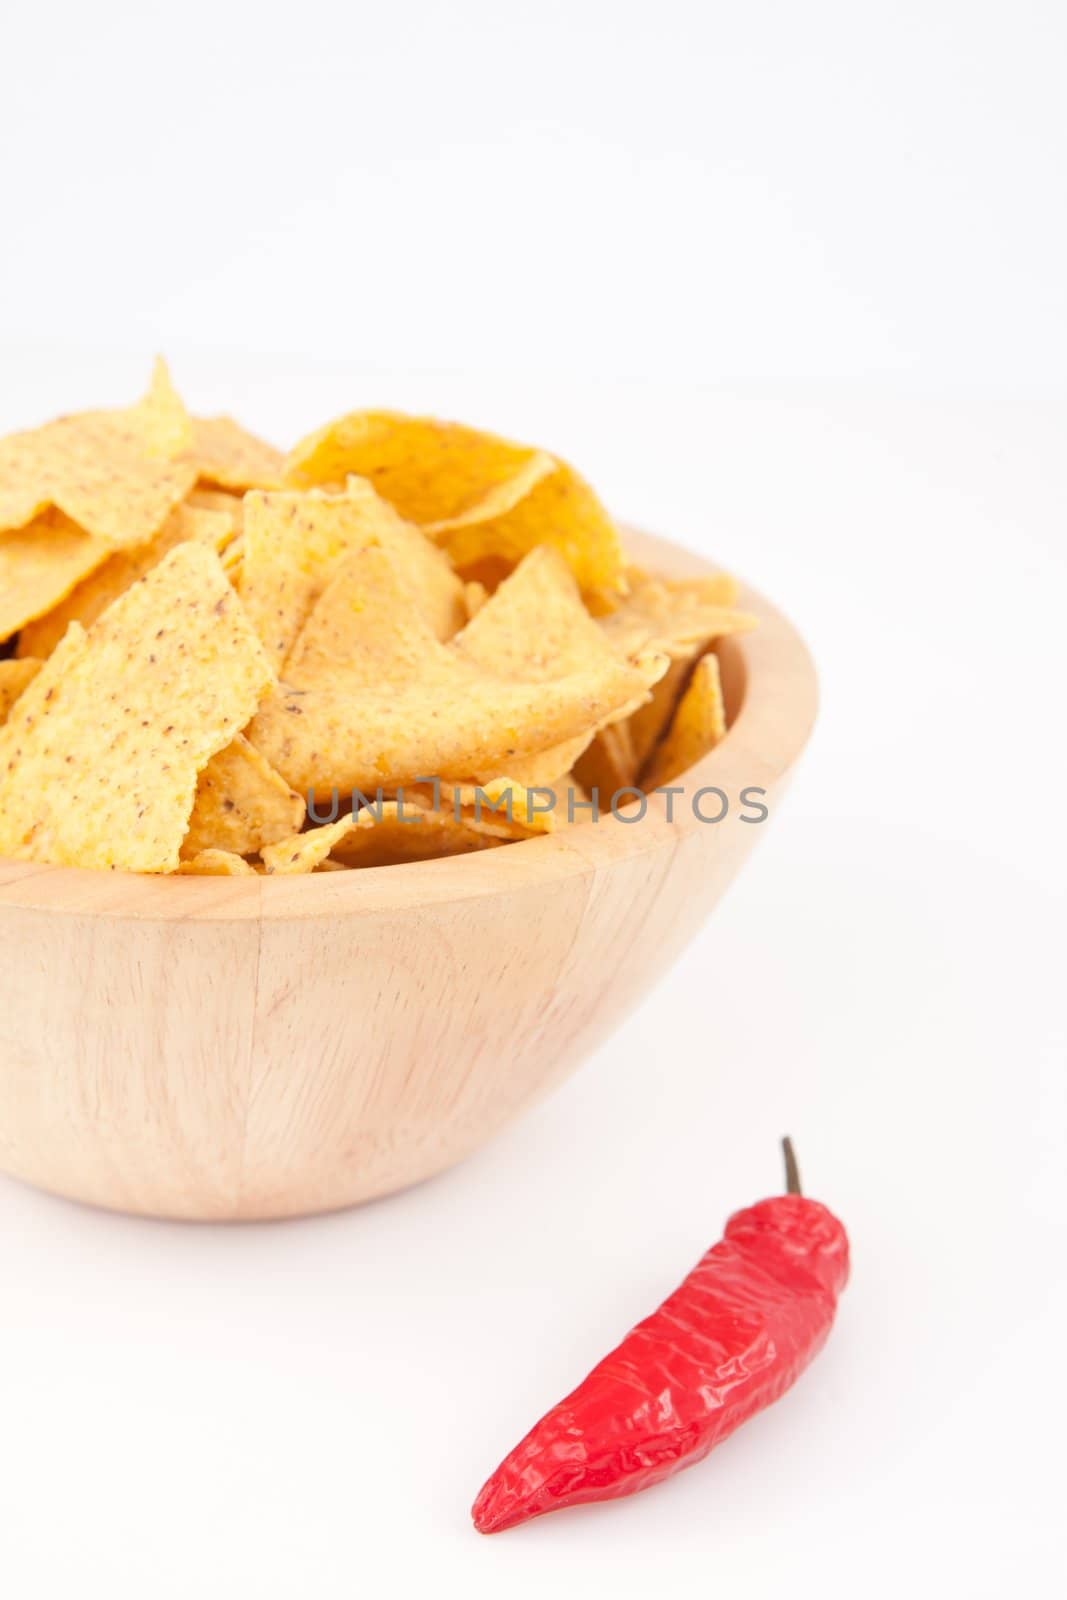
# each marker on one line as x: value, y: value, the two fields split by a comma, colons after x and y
x: 735, y: 1335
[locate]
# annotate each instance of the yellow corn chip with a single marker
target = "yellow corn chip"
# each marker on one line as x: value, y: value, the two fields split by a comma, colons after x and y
x: 231, y: 458
x: 500, y: 807
x: 233, y: 559
x: 676, y: 617
x: 306, y: 851
x: 219, y: 500
x: 294, y: 540
x: 114, y: 576
x: 434, y: 587
x: 478, y: 495
x: 99, y: 761
x: 391, y: 834
x: 609, y: 764
x: 371, y: 697
x: 108, y: 471
x: 217, y: 864
x: 500, y: 498
x: 15, y: 676
x: 535, y: 627
x: 649, y: 722
x: 40, y: 564
x: 698, y: 725
x: 241, y: 804
x: 427, y: 469
x: 546, y: 503
x: 159, y: 420
x: 541, y: 770
x: 475, y: 595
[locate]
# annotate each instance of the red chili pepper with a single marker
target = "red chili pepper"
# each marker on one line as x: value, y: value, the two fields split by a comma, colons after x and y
x: 735, y: 1335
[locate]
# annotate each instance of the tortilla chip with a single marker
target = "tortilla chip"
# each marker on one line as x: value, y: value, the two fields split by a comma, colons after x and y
x: 40, y: 565
x: 546, y: 503
x: 535, y: 627
x: 609, y: 764
x: 499, y: 498
x: 435, y: 588
x: 501, y: 807
x: 99, y: 762
x: 540, y: 771
x: 294, y: 540
x: 476, y: 494
x: 649, y: 722
x: 428, y: 470
x: 233, y: 559
x: 676, y: 617
x: 108, y: 471
x: 391, y: 834
x: 475, y: 595
x: 15, y: 676
x: 219, y: 500
x: 306, y: 851
x: 114, y: 576
x: 231, y: 458
x: 698, y: 725
x: 217, y: 864
x: 159, y: 419
x: 241, y: 804
x: 386, y: 702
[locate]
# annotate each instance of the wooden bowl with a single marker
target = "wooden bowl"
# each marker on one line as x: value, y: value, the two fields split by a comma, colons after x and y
x: 270, y: 1047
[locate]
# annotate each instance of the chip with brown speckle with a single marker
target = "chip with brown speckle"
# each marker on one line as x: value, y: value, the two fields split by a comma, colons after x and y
x: 100, y: 758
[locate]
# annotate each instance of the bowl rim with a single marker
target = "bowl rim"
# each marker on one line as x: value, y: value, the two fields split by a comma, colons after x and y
x: 777, y: 709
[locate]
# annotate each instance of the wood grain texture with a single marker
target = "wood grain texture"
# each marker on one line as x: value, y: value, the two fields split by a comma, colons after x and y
x: 248, y: 1048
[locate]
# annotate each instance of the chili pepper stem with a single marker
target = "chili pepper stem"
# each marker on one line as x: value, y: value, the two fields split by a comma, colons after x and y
x: 792, y: 1171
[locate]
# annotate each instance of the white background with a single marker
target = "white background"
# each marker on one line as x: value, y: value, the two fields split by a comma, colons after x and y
x: 788, y: 282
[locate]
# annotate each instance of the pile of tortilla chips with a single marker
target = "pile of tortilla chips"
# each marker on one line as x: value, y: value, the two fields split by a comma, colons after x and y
x: 208, y: 649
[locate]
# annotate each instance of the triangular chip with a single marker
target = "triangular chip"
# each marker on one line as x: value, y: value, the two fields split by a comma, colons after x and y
x: 698, y: 725
x: 241, y: 804
x: 609, y: 764
x: 208, y: 499
x: 479, y: 495
x: 159, y: 419
x: 436, y: 590
x: 427, y: 469
x: 40, y: 565
x: 371, y: 697
x: 475, y: 595
x: 535, y: 627
x: 390, y: 834
x: 15, y: 676
x: 306, y: 851
x: 501, y: 807
x: 546, y: 503
x: 542, y: 769
x: 294, y: 540
x: 99, y: 760
x: 231, y: 458
x: 649, y: 722
x: 217, y: 864
x: 114, y: 575
x: 108, y: 471
x: 675, y: 616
